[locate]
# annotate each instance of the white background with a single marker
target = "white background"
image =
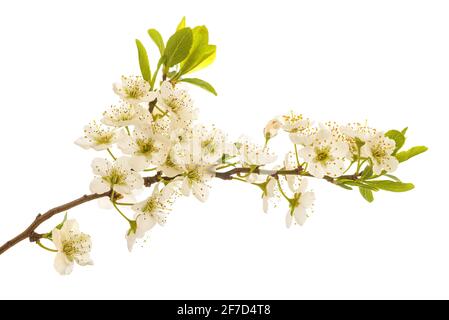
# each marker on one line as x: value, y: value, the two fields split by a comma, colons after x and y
x: 386, y: 61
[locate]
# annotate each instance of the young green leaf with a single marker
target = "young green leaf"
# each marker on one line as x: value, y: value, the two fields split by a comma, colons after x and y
x: 389, y: 185
x: 410, y: 153
x: 157, y: 39
x: 397, y: 137
x: 199, y: 55
x: 200, y: 83
x: 404, y: 131
x: 205, y: 63
x: 182, y: 24
x: 367, y: 173
x: 367, y: 194
x: 343, y: 186
x: 359, y: 184
x: 144, y: 63
x: 392, y: 177
x: 178, y: 47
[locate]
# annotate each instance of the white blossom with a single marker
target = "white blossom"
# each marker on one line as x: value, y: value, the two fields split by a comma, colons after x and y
x: 272, y: 128
x: 134, y: 90
x: 324, y: 155
x: 254, y: 155
x: 300, y: 204
x: 296, y: 125
x: 178, y: 104
x: 379, y: 149
x: 151, y: 211
x: 126, y: 114
x: 194, y: 179
x: 354, y: 131
x: 72, y: 245
x: 268, y: 192
x: 118, y: 176
x: 290, y: 163
x: 97, y: 137
x: 145, y: 147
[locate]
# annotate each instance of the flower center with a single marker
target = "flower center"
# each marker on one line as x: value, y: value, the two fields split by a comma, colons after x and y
x: 194, y: 175
x: 208, y: 145
x: 150, y: 206
x: 378, y: 153
x: 322, y: 155
x: 146, y: 146
x: 169, y: 162
x: 78, y: 244
x: 134, y: 92
x: 116, y: 176
x: 103, y: 138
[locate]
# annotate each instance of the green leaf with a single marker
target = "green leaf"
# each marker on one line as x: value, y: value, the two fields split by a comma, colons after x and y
x: 178, y: 47
x: 205, y: 63
x: 200, y: 51
x: 392, y: 177
x: 404, y: 131
x: 182, y: 24
x: 144, y: 63
x: 200, y: 36
x: 366, y: 194
x: 360, y: 184
x: 410, y: 153
x: 367, y: 173
x: 397, y: 137
x: 343, y: 186
x: 389, y: 185
x: 200, y: 83
x: 198, y: 56
x: 157, y: 39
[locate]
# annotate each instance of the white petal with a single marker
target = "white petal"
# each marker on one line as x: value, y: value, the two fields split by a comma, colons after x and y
x: 391, y: 164
x: 144, y: 223
x: 307, y: 199
x: 340, y: 149
x: 105, y: 203
x: 316, y: 170
x: 70, y: 226
x: 138, y: 163
x: 83, y: 142
x: 62, y: 265
x: 377, y: 168
x: 288, y: 219
x: 200, y: 191
x: 185, y: 187
x: 265, y: 204
x: 84, y: 260
x: 302, y: 185
x: 98, y: 185
x: 134, y: 180
x: 100, y: 166
x: 307, y: 153
x: 57, y: 239
x: 130, y: 239
x: 300, y: 215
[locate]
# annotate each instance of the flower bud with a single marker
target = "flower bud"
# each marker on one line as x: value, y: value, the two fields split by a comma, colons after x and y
x: 272, y: 128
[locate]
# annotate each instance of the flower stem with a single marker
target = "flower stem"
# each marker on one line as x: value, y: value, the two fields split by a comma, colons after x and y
x: 111, y: 154
x: 44, y: 247
x: 117, y: 208
x: 282, y: 190
x: 124, y: 204
x: 296, y: 156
